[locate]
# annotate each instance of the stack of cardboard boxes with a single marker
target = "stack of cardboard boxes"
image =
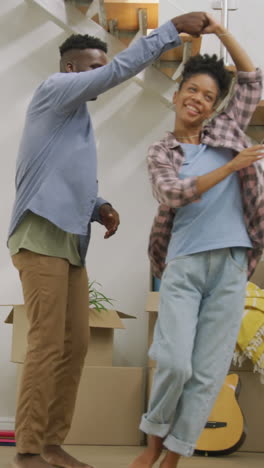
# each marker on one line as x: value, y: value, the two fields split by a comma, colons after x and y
x: 152, y: 310
x: 251, y: 398
x: 110, y: 399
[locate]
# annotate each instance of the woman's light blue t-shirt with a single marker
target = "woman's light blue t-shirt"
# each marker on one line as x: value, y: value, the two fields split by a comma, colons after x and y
x: 217, y: 220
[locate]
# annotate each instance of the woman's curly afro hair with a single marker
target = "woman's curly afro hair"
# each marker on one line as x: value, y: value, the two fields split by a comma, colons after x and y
x: 208, y: 65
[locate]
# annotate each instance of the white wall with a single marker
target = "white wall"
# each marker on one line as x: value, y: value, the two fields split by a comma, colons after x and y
x: 246, y: 23
x: 126, y: 121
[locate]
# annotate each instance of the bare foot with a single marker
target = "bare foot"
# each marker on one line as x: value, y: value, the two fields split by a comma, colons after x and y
x: 150, y: 455
x: 30, y: 461
x: 170, y: 460
x: 55, y: 455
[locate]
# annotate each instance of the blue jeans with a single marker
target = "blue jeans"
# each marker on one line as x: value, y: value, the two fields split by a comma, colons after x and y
x: 201, y: 305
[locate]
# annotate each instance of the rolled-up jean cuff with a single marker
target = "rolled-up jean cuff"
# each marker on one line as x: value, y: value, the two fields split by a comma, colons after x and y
x: 160, y: 430
x: 178, y: 446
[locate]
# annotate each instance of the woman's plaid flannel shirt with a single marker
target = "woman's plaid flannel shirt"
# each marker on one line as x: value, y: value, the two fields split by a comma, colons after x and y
x: 166, y: 157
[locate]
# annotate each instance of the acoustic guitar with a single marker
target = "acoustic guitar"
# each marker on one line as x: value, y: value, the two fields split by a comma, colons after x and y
x: 225, y: 430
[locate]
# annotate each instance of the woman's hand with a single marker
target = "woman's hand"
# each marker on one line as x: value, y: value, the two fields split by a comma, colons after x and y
x: 214, y: 27
x: 247, y: 157
x: 242, y: 160
x: 240, y: 58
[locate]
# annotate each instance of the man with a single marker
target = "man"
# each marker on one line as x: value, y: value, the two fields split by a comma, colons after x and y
x: 56, y: 200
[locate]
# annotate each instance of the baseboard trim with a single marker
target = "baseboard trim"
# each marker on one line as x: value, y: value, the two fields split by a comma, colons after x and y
x: 7, y: 424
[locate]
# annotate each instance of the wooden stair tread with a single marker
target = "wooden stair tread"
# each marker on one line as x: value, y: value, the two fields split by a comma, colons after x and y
x: 170, y: 60
x: 175, y: 55
x: 126, y: 14
x: 258, y: 116
x: 256, y: 133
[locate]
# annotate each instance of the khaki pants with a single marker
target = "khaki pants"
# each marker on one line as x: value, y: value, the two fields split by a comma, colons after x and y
x: 56, y: 299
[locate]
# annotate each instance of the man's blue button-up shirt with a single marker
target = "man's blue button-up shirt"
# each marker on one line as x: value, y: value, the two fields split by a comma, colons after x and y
x: 56, y: 174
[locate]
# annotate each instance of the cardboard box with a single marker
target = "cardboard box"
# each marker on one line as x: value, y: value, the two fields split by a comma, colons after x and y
x: 102, y: 325
x: 151, y: 371
x: 258, y: 116
x: 256, y: 133
x: 258, y: 276
x: 152, y: 306
x: 251, y: 402
x: 247, y: 366
x: 109, y: 406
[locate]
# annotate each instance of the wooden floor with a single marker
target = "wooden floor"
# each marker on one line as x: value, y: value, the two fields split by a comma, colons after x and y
x: 120, y: 457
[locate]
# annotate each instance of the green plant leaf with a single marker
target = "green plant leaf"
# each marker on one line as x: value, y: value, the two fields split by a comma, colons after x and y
x: 97, y: 299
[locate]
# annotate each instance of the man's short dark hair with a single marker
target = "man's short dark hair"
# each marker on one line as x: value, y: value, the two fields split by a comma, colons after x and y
x: 208, y: 65
x: 81, y: 42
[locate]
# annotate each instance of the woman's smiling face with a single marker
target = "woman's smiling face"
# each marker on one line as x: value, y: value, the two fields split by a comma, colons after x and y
x: 196, y: 100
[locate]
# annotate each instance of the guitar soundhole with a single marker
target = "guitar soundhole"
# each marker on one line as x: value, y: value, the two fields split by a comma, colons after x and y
x: 215, y: 424
x: 224, y: 431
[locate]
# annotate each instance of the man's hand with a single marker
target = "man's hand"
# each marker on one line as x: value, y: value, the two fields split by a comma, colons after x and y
x: 191, y: 23
x: 110, y: 219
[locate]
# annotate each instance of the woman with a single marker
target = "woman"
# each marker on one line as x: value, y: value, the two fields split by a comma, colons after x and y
x: 205, y: 175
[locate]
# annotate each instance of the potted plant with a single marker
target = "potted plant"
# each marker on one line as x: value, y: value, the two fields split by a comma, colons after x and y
x: 97, y: 299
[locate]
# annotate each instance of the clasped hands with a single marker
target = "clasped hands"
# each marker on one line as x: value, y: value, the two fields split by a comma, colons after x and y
x: 196, y: 23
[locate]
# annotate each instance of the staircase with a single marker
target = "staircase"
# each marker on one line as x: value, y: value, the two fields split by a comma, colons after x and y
x: 129, y: 20
x: 120, y: 22
x: 256, y: 126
